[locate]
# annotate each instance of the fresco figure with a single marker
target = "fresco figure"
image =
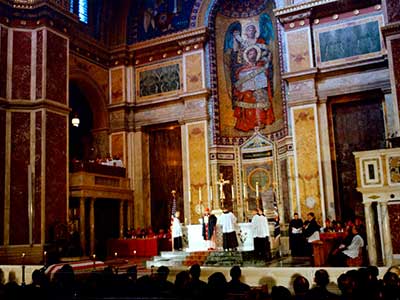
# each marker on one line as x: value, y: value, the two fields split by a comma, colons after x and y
x: 248, y: 68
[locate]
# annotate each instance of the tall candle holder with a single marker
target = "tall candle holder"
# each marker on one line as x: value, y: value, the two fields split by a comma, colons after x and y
x: 23, y: 267
x: 45, y: 259
x: 94, y: 261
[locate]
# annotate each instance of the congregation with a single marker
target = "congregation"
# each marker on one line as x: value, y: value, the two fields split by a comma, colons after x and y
x: 362, y: 283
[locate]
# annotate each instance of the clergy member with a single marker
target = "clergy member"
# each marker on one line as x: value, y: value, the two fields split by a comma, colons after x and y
x: 177, y: 231
x: 209, y: 221
x: 265, y: 250
x: 296, y: 238
x: 228, y: 221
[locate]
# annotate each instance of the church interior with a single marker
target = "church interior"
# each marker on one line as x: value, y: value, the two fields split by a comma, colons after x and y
x: 116, y: 114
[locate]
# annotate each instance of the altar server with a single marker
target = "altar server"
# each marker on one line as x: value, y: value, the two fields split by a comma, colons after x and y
x: 177, y: 231
x: 228, y: 221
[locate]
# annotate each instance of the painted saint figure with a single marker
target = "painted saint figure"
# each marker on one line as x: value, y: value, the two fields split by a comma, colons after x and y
x: 248, y: 65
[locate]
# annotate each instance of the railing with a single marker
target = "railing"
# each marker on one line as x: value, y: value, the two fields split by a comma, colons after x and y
x: 96, y: 168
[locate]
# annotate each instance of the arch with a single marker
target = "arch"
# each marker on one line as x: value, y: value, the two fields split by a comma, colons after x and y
x: 94, y: 96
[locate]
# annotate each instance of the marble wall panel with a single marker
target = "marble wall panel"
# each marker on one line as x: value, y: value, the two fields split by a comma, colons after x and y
x: 394, y: 219
x: 56, y: 72
x: 3, y: 61
x: 395, y: 44
x: 285, y: 190
x: 56, y: 171
x: 194, y: 77
x: 197, y: 167
x: 308, y: 176
x: 117, y: 85
x: 298, y: 50
x: 117, y: 145
x: 20, y: 157
x: 292, y: 185
x: 39, y: 64
x: 302, y: 89
x: 393, y: 10
x: 21, y: 64
x: 38, y: 178
x: 2, y: 169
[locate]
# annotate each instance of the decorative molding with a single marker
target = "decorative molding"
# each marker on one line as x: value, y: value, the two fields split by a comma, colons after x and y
x: 182, y: 35
x: 298, y: 7
x: 391, y: 29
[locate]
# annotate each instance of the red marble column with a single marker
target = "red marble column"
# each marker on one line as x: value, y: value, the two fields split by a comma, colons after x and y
x: 2, y: 167
x: 20, y: 157
x: 395, y: 45
x: 21, y: 64
x: 56, y: 170
x: 3, y: 60
x: 393, y: 10
x: 36, y: 135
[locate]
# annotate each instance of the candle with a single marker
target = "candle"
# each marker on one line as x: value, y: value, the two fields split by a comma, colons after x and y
x: 116, y: 254
x: 190, y: 194
x: 233, y: 192
x: 199, y: 194
x: 245, y: 190
x: 211, y: 193
x: 257, y: 193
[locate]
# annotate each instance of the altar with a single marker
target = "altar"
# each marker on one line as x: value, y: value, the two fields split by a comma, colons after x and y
x: 197, y: 243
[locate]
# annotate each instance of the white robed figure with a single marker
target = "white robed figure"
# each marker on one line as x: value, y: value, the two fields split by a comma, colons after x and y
x: 177, y: 231
x: 228, y: 221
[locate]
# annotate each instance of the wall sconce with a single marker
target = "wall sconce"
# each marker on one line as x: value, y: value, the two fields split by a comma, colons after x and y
x: 75, y: 121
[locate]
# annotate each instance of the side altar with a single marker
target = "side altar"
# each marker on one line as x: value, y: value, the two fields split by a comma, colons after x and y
x: 197, y: 243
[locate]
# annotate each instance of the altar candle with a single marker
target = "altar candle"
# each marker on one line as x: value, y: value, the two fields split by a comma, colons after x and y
x: 199, y: 194
x: 257, y: 193
x: 190, y: 194
x: 245, y: 190
x: 233, y: 192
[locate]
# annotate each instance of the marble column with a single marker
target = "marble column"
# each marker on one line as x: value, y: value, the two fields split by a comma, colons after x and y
x: 91, y: 220
x: 129, y: 223
x: 82, y: 224
x: 387, y: 236
x: 121, y: 219
x: 370, y: 225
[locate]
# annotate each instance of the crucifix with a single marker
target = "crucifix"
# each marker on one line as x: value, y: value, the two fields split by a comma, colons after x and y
x: 221, y: 182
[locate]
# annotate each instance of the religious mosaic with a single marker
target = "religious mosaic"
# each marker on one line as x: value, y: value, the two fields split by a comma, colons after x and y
x: 394, y: 167
x: 359, y: 40
x: 153, y: 18
x: 249, y: 91
x: 159, y: 80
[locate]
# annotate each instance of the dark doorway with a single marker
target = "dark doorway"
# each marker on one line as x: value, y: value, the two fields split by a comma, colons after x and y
x: 106, y: 222
x: 165, y: 173
x: 80, y: 137
x: 358, y: 125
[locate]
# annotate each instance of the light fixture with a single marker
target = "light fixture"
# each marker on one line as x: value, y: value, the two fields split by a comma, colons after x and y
x: 75, y: 121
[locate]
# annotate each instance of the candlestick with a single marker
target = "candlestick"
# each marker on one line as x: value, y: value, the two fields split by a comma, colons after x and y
x: 23, y: 268
x: 94, y: 262
x: 257, y: 193
x: 44, y: 258
x: 199, y: 194
x: 190, y: 194
x: 245, y: 190
x: 233, y: 192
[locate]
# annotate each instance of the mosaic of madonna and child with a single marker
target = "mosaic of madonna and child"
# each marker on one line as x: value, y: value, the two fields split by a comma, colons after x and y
x: 248, y: 74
